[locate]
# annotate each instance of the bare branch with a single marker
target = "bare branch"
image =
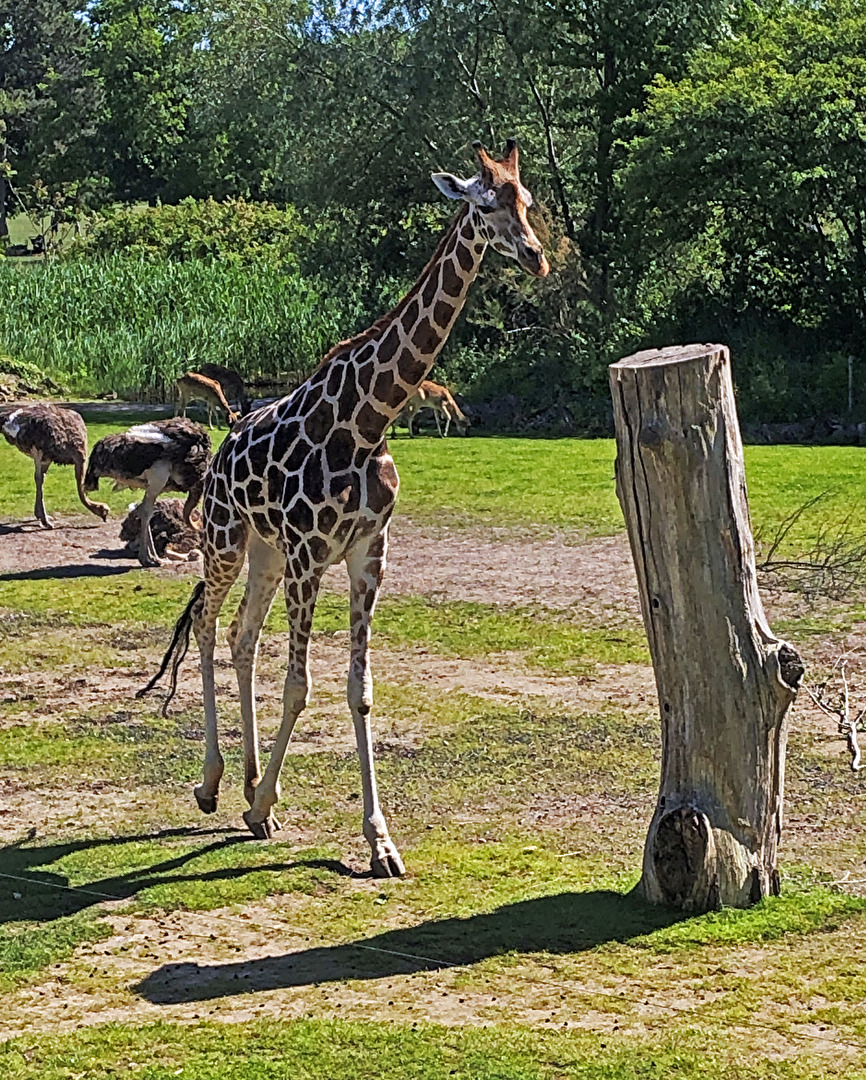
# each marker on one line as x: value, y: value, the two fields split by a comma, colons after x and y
x: 838, y: 705
x: 835, y: 565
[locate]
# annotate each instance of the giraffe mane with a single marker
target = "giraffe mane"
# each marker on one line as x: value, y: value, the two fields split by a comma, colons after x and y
x: 397, y: 310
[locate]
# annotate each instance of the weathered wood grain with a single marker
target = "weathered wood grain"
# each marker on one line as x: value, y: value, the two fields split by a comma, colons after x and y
x: 725, y: 682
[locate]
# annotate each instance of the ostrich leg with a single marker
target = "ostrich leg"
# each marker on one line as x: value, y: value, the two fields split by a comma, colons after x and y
x: 40, y: 468
x: 156, y: 478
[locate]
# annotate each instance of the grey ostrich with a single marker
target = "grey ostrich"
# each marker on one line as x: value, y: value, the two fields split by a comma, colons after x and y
x: 164, y: 455
x: 50, y: 435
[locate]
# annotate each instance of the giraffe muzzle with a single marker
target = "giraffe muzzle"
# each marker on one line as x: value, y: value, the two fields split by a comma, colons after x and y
x: 534, y: 261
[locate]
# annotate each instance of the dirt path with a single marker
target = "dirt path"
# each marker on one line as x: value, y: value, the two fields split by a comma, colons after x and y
x: 487, y: 566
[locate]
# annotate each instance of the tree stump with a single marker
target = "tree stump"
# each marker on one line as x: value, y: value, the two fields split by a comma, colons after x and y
x: 725, y: 682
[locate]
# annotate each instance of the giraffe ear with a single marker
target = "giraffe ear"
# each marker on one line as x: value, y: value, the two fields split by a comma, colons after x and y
x: 451, y: 186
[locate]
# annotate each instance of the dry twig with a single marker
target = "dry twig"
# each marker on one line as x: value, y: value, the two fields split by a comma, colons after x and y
x: 839, y: 706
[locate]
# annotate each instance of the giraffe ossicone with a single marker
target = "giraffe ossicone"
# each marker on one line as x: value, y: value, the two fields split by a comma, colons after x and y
x: 308, y: 482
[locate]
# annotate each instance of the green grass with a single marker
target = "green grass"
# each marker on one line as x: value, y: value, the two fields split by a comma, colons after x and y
x: 530, y: 484
x: 521, y: 823
x: 27, y: 948
x: 341, y: 1050
x: 564, y: 483
x: 568, y: 642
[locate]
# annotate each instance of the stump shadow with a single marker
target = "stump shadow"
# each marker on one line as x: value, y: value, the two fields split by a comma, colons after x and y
x: 563, y: 923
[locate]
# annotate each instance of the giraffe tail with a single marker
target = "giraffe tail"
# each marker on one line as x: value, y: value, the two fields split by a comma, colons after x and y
x: 176, y: 651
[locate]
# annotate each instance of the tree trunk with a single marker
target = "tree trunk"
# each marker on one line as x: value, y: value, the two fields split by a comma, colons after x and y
x: 725, y: 683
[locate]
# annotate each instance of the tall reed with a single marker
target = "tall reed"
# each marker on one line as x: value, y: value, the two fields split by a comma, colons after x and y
x: 130, y: 325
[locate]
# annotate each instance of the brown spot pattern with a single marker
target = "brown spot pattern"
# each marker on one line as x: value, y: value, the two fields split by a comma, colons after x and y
x: 425, y: 338
x: 464, y: 257
x: 389, y: 345
x: 370, y: 424
x: 443, y: 313
x: 411, y: 367
x: 409, y: 316
x: 452, y: 284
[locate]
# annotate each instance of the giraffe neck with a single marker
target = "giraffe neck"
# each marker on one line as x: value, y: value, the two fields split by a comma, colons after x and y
x: 383, y: 367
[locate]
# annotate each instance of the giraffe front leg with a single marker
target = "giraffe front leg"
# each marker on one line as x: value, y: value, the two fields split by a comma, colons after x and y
x: 300, y: 603
x: 366, y: 567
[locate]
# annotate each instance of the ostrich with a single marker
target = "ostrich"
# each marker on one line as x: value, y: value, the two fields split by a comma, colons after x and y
x: 50, y: 435
x: 173, y: 539
x: 164, y: 455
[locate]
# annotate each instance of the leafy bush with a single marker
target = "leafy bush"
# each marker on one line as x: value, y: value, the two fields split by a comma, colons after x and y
x: 234, y: 231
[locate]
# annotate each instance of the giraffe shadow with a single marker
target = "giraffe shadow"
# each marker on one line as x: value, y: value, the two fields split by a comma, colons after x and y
x: 564, y: 923
x: 28, y: 892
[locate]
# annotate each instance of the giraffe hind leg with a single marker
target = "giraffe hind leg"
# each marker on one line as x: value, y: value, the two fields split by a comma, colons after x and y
x: 266, y: 569
x: 220, y: 573
x: 300, y: 603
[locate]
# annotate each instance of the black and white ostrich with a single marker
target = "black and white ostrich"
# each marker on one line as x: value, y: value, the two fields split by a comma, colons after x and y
x: 164, y: 455
x: 50, y: 435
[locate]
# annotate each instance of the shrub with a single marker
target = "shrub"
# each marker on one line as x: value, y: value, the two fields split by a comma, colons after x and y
x: 234, y: 231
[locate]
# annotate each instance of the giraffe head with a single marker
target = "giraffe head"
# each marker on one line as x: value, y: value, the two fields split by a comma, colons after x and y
x: 501, y: 201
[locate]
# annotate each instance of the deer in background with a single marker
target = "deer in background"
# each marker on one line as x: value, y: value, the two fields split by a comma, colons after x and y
x: 231, y: 384
x: 438, y: 398
x: 195, y: 387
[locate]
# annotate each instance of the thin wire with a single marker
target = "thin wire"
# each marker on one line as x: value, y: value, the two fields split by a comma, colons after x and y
x: 450, y: 964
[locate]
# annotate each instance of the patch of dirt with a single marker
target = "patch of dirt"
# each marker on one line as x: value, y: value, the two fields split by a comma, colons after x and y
x: 236, y: 965
x: 487, y: 566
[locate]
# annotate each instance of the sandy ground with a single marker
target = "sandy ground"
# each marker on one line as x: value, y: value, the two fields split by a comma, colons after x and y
x: 273, y: 972
x: 487, y: 566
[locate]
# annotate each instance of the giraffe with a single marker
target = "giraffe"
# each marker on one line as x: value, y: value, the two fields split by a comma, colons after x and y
x: 308, y: 481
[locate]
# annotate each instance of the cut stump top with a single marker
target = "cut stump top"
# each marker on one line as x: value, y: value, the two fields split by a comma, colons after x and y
x: 673, y: 354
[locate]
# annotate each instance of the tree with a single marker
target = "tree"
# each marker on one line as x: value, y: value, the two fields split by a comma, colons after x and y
x: 755, y: 159
x: 149, y: 64
x: 49, y: 96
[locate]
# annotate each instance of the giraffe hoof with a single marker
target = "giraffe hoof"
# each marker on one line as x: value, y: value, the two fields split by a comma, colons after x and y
x: 206, y: 803
x: 262, y: 830
x: 389, y: 866
x: 45, y: 523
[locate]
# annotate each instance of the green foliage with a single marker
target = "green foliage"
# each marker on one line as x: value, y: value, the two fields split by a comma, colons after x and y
x: 754, y: 159
x: 146, y: 53
x: 233, y: 231
x: 49, y: 99
x: 132, y: 325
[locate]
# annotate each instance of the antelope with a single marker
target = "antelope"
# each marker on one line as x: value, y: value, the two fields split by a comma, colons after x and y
x: 438, y: 398
x: 195, y: 387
